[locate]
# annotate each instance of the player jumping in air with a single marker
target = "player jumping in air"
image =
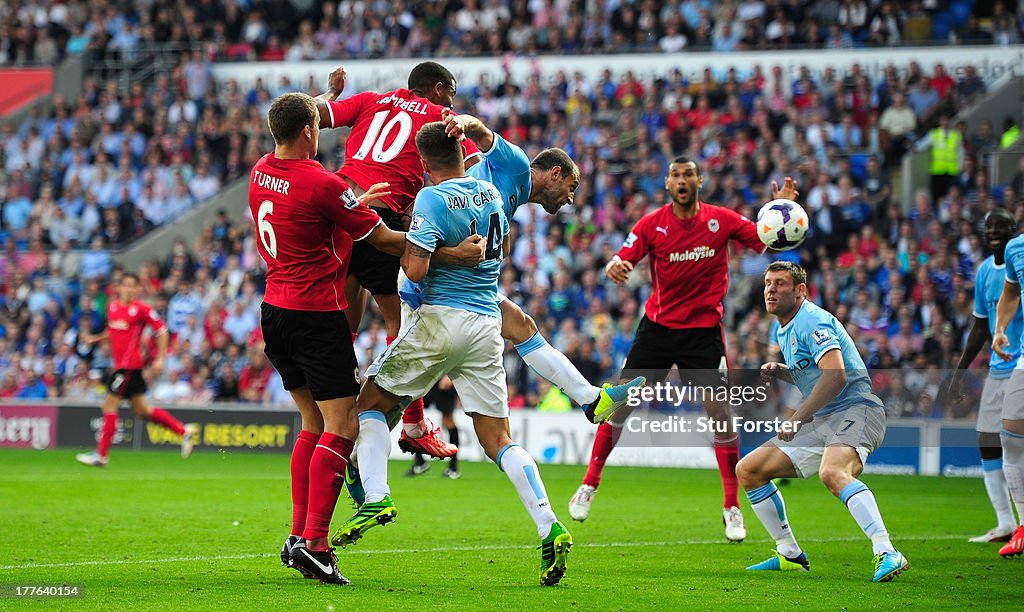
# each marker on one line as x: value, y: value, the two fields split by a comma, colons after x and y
x: 1012, y: 435
x: 1000, y: 227
x: 831, y: 433
x: 549, y: 180
x: 306, y: 222
x: 127, y: 318
x: 456, y: 330
x: 381, y: 148
x: 687, y: 241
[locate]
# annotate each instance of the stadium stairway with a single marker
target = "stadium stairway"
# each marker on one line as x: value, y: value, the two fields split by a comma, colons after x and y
x: 160, y: 241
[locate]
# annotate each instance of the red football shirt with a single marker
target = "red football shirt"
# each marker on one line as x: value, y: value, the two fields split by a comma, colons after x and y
x: 306, y: 219
x: 382, y: 145
x: 690, y: 262
x: 125, y: 324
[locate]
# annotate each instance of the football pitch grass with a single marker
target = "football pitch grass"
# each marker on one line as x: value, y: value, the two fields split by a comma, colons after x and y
x: 153, y: 531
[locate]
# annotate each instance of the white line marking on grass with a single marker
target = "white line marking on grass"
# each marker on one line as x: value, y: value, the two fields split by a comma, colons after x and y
x: 441, y: 549
x: 141, y: 478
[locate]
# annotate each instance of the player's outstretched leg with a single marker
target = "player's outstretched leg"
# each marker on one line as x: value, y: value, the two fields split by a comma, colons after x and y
x: 598, y: 403
x: 1013, y: 468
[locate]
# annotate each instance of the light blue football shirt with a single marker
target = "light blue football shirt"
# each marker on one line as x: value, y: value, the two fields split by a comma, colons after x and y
x: 988, y: 286
x: 445, y: 215
x: 505, y: 166
x: 811, y: 333
x: 1014, y: 258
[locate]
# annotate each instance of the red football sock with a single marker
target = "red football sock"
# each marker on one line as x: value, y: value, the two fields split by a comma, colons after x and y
x: 413, y: 415
x: 604, y: 442
x: 728, y: 455
x: 355, y: 336
x: 305, y: 444
x: 164, y: 418
x: 326, y: 477
x: 107, y: 434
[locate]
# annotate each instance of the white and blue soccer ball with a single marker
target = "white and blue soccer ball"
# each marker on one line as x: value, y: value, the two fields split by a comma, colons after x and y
x: 782, y: 224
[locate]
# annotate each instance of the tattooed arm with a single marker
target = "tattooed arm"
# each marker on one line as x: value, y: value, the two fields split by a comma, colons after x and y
x: 415, y: 262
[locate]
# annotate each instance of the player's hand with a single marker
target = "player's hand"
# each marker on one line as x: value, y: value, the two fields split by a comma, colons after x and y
x: 788, y: 191
x: 454, y: 125
x: 375, y: 192
x: 618, y: 271
x: 999, y: 345
x: 156, y: 368
x: 470, y: 251
x: 770, y: 372
x: 954, y: 391
x: 336, y: 82
x: 788, y: 433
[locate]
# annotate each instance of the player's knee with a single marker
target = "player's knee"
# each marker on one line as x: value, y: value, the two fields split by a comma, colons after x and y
x: 746, y: 473
x: 834, y: 478
x: 518, y: 327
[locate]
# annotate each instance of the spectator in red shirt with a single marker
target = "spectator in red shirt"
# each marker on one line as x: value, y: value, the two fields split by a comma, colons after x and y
x: 255, y: 376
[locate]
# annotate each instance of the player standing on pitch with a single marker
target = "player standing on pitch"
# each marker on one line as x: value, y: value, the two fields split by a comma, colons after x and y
x: 306, y: 222
x: 1000, y: 227
x: 831, y: 433
x: 687, y: 241
x: 1012, y: 434
x: 127, y: 318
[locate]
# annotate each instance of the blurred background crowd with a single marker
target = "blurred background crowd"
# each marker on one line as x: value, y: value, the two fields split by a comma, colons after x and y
x: 102, y: 170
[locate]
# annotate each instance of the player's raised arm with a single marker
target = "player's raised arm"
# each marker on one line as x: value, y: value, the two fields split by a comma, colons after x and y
x: 1009, y: 302
x: 788, y: 191
x: 470, y: 126
x: 335, y: 85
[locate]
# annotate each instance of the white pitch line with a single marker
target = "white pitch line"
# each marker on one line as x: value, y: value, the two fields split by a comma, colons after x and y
x: 443, y: 549
x: 141, y: 478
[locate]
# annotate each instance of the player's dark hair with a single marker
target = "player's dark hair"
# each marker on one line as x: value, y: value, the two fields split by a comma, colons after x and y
x: 438, y: 148
x: 549, y: 158
x: 288, y: 114
x: 795, y: 271
x: 682, y: 159
x: 427, y: 74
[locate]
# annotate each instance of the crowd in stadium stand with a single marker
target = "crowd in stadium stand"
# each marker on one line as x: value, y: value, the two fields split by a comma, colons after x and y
x: 101, y: 170
x: 43, y: 31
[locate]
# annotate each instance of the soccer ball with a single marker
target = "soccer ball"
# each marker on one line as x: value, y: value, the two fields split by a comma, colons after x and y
x: 782, y: 224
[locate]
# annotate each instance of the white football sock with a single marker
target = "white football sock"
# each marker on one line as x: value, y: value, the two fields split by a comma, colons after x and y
x: 556, y: 368
x: 860, y: 501
x: 770, y: 508
x: 373, y: 447
x: 521, y: 469
x: 998, y: 493
x: 1013, y: 468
